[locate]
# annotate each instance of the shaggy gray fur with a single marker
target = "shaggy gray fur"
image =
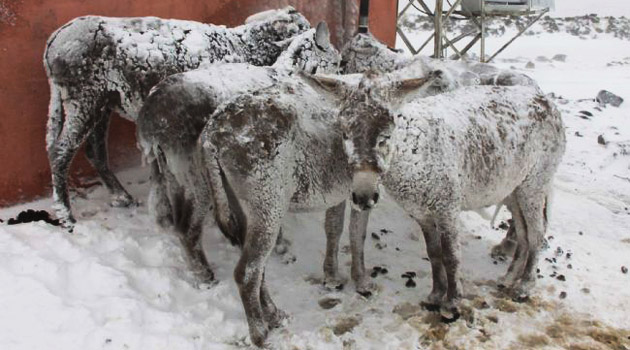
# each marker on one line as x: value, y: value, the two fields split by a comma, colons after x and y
x: 178, y: 108
x: 99, y: 64
x: 462, y: 150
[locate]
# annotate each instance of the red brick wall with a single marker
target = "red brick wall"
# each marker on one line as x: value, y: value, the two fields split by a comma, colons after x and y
x: 26, y: 24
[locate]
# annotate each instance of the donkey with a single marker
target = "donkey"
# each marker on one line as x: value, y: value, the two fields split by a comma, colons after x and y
x: 364, y: 53
x: 269, y: 152
x: 462, y: 150
x: 99, y: 64
x: 178, y: 108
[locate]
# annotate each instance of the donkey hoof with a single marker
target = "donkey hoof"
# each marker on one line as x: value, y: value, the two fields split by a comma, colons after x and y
x: 367, y: 289
x: 258, y: 335
x: 278, y: 319
x: 435, y: 298
x: 449, y: 314
x: 334, y: 283
x: 430, y: 307
x: 123, y: 201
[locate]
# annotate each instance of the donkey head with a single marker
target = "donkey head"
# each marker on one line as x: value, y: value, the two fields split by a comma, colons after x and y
x: 311, y: 52
x: 368, y: 122
x: 364, y: 53
x: 265, y: 29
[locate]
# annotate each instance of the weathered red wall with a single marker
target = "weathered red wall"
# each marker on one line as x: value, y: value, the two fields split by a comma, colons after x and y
x: 26, y: 24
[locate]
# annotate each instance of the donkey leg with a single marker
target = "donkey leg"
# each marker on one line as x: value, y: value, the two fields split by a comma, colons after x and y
x: 532, y: 205
x: 507, y: 246
x: 273, y: 316
x: 519, y: 260
x: 451, y: 258
x: 358, y: 229
x: 434, y: 250
x: 159, y: 204
x: 334, y: 228
x: 262, y: 233
x: 61, y: 151
x: 96, y: 152
x: 199, y: 204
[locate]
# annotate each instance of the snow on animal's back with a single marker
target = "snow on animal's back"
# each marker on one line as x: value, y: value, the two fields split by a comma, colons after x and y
x: 473, y: 105
x: 491, y: 138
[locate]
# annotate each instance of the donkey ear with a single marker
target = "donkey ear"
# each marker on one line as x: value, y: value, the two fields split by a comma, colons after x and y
x: 322, y: 36
x: 328, y: 82
x: 416, y: 83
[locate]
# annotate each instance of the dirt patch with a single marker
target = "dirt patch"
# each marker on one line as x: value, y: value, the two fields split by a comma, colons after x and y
x: 345, y: 325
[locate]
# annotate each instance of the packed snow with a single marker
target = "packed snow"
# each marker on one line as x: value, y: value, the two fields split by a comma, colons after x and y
x: 120, y: 282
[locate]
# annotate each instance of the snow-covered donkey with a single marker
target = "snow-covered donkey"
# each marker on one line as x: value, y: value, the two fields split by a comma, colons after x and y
x: 99, y: 64
x: 460, y: 150
x: 178, y: 108
x: 364, y: 53
x: 269, y: 152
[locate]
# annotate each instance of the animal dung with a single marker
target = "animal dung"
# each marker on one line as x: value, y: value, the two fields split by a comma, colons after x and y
x: 377, y: 270
x: 329, y: 303
x: 31, y: 215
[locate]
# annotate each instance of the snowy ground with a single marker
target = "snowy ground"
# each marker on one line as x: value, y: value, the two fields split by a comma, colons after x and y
x: 118, y: 282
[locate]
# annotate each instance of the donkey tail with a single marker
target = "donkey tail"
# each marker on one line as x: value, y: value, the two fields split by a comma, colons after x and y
x: 55, y: 116
x: 228, y: 212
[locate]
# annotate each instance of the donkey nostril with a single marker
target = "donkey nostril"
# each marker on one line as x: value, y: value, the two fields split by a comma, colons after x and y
x: 375, y: 198
x: 354, y: 198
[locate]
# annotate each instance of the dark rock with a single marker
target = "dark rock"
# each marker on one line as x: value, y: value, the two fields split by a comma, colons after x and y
x: 563, y: 295
x: 585, y: 290
x: 601, y: 140
x: 410, y: 283
x: 559, y: 251
x: 530, y: 65
x: 560, y: 57
x: 570, y: 267
x: 561, y: 278
x: 329, y: 303
x: 587, y: 113
x: 503, y: 225
x: 345, y: 325
x: 608, y: 98
x: 624, y: 270
x: 31, y: 215
x: 375, y: 236
x: 581, y: 233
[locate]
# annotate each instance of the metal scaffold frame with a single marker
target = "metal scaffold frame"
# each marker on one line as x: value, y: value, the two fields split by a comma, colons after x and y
x: 441, y: 40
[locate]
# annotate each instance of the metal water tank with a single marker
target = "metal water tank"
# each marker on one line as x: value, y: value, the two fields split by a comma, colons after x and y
x: 505, y: 6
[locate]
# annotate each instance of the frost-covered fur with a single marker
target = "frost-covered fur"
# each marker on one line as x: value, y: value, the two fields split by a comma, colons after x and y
x: 365, y: 53
x: 99, y: 64
x: 276, y: 150
x: 178, y: 108
x: 460, y: 150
